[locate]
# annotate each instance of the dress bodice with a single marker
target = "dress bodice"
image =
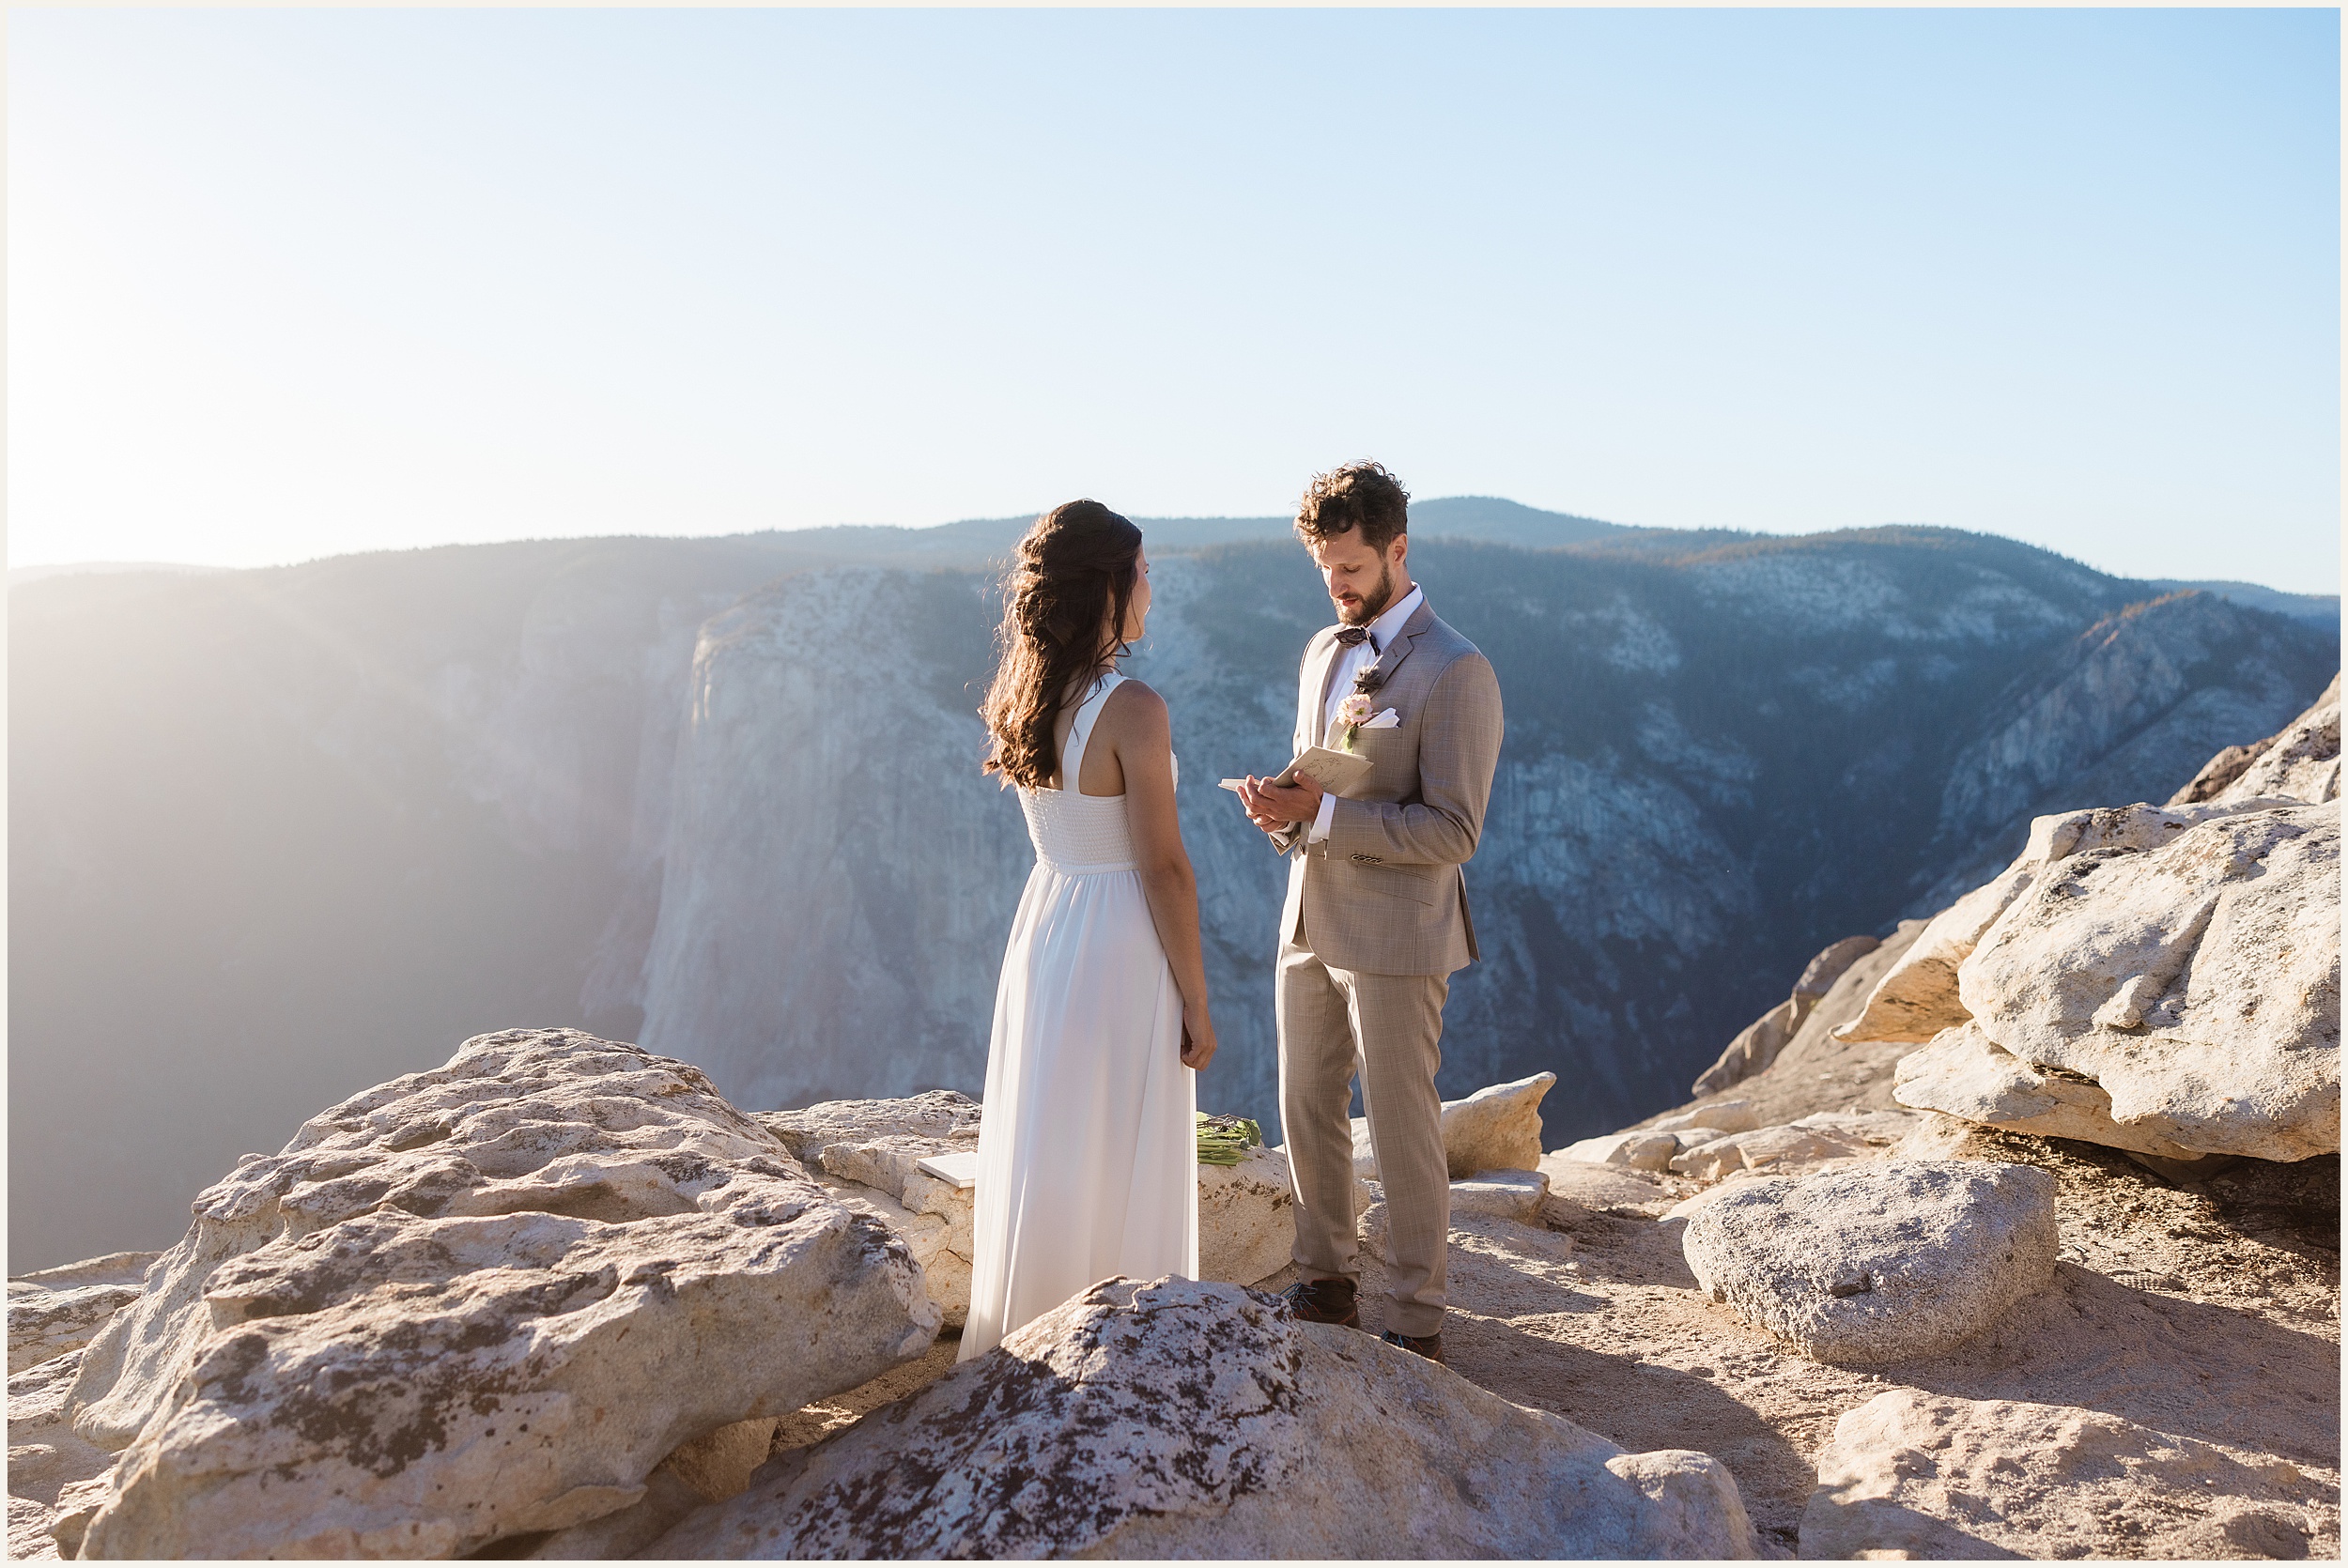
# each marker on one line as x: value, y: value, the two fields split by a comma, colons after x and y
x: 1075, y: 833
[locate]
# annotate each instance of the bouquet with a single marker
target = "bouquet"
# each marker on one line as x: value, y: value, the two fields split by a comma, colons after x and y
x: 1222, y: 1140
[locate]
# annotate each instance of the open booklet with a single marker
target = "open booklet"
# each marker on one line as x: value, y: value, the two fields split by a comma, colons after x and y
x: 1338, y: 772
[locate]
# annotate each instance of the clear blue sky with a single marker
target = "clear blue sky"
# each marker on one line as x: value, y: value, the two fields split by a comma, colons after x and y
x: 286, y: 284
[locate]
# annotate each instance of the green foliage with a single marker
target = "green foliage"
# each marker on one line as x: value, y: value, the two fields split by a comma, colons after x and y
x: 1223, y: 1140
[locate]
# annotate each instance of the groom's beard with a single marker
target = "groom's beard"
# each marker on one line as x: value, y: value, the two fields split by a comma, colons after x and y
x: 1374, y: 603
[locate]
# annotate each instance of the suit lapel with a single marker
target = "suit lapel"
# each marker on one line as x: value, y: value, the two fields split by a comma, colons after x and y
x: 1314, y: 692
x: 1399, y: 648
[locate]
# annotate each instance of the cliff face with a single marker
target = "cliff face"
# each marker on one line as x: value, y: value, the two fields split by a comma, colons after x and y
x: 1702, y: 762
x: 2119, y: 715
x: 590, y: 782
x: 839, y: 880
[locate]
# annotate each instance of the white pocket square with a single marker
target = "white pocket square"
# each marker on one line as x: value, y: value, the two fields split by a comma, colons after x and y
x: 1386, y: 720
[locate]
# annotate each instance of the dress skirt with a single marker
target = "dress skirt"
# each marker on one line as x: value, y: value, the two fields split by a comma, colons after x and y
x: 1088, y: 1145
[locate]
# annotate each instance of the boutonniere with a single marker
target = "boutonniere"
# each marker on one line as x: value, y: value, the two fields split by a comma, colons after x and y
x: 1370, y: 676
x: 1353, y: 712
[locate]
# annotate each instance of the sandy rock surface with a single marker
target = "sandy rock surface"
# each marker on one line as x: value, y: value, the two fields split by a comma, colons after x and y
x: 1641, y: 1151
x: 1172, y: 1419
x: 1924, y: 1475
x: 483, y: 1299
x: 2209, y: 1312
x: 2197, y: 980
x: 1891, y: 1261
x: 1717, y: 1115
x: 1605, y: 1189
x: 1764, y: 1148
x: 57, y: 1310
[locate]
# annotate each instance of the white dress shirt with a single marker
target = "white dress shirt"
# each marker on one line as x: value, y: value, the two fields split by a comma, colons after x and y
x: 1351, y: 662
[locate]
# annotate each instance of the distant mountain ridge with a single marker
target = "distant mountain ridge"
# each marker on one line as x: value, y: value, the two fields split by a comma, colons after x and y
x: 277, y: 835
x: 2318, y: 609
x: 1488, y: 518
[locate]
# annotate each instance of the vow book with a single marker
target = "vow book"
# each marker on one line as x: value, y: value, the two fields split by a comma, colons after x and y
x: 1336, y: 772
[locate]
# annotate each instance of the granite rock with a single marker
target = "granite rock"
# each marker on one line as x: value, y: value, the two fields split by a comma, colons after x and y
x: 57, y: 1310
x: 1179, y: 1420
x: 1964, y: 1073
x: 1888, y: 1261
x: 869, y: 1153
x: 2195, y: 980
x: 478, y: 1302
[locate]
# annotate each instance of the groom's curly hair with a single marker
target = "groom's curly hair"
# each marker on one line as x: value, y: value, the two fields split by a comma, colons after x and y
x: 1360, y: 495
x: 1063, y: 604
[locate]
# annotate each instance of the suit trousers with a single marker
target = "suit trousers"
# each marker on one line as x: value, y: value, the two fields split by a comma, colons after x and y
x: 1332, y: 1024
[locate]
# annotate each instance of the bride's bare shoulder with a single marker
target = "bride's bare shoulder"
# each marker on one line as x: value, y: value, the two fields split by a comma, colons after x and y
x: 1135, y: 707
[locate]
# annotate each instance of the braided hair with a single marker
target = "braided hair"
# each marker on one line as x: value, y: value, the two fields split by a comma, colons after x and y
x: 1063, y: 607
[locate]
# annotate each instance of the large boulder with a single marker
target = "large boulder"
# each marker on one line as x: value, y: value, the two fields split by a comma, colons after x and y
x: 869, y: 1152
x: 1888, y: 1261
x: 1497, y: 1128
x: 477, y: 1302
x: 57, y: 1310
x: 1179, y: 1420
x: 1918, y: 996
x: 2196, y: 981
x: 2182, y: 960
x: 2300, y: 762
x: 1912, y: 1474
x: 1964, y: 1073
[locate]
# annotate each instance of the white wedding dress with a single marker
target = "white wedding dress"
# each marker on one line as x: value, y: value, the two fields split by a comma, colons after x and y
x: 1088, y: 1147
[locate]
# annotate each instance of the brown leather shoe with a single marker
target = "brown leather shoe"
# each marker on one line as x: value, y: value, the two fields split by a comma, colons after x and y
x: 1323, y: 1301
x: 1430, y: 1347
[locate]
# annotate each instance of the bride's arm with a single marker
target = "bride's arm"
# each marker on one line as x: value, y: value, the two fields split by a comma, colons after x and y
x: 1141, y: 733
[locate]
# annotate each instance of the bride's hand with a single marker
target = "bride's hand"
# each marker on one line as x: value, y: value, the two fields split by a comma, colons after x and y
x: 1197, y: 1040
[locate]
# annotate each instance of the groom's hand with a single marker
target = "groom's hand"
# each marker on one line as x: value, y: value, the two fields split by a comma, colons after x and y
x: 1273, y: 807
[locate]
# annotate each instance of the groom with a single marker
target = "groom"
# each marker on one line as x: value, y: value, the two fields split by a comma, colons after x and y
x: 1377, y: 916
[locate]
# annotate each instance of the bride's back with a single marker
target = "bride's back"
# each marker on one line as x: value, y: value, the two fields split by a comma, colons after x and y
x: 1073, y: 830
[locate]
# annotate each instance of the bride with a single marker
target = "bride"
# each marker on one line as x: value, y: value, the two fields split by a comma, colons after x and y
x: 1087, y: 1148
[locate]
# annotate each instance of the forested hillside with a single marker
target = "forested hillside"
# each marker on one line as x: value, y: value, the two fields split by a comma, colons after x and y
x: 278, y: 835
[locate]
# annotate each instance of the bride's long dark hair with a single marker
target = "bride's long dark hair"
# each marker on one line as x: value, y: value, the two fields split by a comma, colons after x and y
x: 1063, y: 610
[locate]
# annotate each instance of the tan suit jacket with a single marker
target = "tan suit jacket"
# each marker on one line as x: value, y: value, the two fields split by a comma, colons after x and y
x: 1385, y: 893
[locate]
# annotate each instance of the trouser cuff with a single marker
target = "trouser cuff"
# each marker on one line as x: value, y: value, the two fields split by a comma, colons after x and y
x: 1414, y: 1318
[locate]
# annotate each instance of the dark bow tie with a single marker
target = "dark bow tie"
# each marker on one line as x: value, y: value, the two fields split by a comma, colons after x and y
x: 1353, y: 637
